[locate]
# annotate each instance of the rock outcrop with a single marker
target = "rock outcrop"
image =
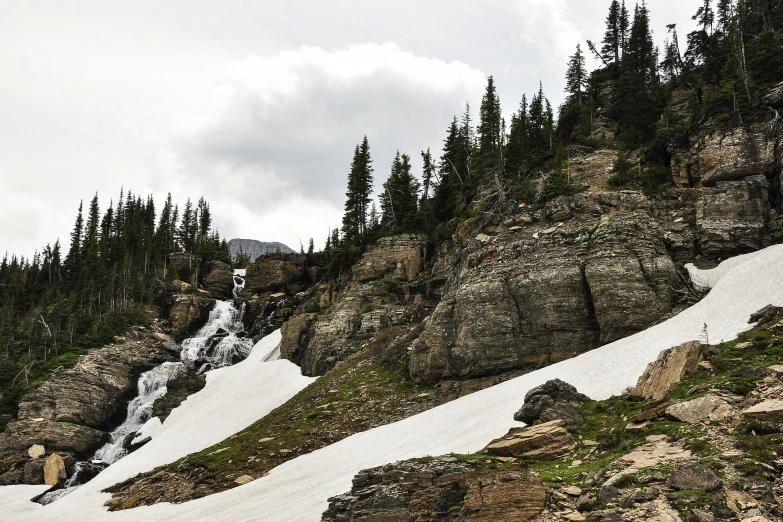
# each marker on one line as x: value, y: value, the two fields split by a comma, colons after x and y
x: 74, y: 408
x: 553, y: 400
x: 188, y: 313
x: 533, y: 295
x: 440, y: 489
x: 220, y: 282
x: 271, y: 275
x: 726, y: 156
x: 732, y: 217
x: 385, y: 289
x: 666, y: 371
x: 545, y: 441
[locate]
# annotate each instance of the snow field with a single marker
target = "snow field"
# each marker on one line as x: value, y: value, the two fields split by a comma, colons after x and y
x: 298, y: 490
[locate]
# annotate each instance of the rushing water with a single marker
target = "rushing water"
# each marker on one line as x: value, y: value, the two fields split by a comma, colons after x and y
x: 218, y: 343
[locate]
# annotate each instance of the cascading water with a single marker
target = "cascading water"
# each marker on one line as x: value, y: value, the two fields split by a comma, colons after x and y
x: 219, y: 343
x: 152, y: 385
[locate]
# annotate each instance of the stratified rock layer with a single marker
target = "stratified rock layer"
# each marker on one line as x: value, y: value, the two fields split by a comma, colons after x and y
x: 72, y: 410
x: 439, y: 489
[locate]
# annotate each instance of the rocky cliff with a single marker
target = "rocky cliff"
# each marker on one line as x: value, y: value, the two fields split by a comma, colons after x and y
x: 255, y: 248
x: 73, y: 411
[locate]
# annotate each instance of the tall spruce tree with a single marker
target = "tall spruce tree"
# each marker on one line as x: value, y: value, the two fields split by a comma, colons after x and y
x: 360, y: 181
x: 399, y: 199
x: 576, y: 75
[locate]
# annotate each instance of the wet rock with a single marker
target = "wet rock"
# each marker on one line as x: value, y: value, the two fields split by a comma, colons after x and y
x: 188, y: 313
x: 72, y: 409
x: 34, y: 471
x: 54, y: 470
x: 693, y: 476
x: 545, y: 441
x: 553, y: 400
x: 671, y: 365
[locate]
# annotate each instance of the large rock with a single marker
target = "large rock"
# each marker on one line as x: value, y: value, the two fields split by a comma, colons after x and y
x: 545, y: 441
x: 383, y: 291
x: 54, y: 470
x: 693, y: 476
x: 188, y: 313
x: 771, y: 410
x: 34, y: 471
x: 731, y: 218
x: 398, y: 257
x: 663, y: 374
x: 553, y: 400
x: 734, y: 155
x: 709, y: 407
x: 440, y: 489
x: 220, y: 283
x: 72, y: 410
x: 271, y: 275
x: 523, y: 302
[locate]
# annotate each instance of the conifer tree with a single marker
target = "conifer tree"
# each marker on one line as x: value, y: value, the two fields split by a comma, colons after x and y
x: 399, y: 199
x: 74, y: 257
x: 360, y: 181
x: 610, y: 51
x: 576, y: 75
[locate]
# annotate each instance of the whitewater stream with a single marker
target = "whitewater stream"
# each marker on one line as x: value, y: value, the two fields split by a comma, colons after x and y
x: 217, y: 344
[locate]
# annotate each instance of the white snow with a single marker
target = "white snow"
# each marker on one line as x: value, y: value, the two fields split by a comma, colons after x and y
x: 233, y: 398
x: 298, y: 490
x: 241, y: 272
x: 705, y: 279
x: 149, y: 429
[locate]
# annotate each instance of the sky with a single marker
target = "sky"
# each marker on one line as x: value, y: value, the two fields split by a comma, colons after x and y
x: 256, y: 106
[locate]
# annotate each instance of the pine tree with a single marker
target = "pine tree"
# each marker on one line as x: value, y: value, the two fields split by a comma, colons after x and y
x: 576, y: 75
x: 610, y: 51
x: 399, y: 199
x: 74, y: 257
x: 360, y: 181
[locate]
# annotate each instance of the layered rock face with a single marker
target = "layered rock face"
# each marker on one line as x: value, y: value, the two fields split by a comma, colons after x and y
x: 188, y: 313
x: 534, y: 295
x: 220, y: 282
x: 384, y: 290
x: 440, y: 489
x: 726, y: 156
x: 72, y: 410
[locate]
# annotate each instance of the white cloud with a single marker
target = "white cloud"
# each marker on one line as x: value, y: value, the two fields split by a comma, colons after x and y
x: 282, y: 140
x: 546, y: 25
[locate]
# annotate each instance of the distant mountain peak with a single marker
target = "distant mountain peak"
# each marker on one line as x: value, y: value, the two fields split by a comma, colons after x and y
x: 256, y: 248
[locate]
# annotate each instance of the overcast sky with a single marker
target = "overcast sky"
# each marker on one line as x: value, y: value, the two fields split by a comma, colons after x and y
x: 256, y: 106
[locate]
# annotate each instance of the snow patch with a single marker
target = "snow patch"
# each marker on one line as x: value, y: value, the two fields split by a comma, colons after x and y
x: 298, y: 490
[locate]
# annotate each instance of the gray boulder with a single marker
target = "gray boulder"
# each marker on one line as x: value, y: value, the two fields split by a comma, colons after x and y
x: 694, y: 476
x: 553, y: 400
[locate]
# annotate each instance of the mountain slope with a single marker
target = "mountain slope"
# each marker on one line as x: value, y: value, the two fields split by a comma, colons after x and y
x: 299, y: 489
x: 255, y: 248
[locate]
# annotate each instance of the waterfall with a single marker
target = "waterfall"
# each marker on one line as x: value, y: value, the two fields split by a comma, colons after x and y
x: 220, y: 342
x: 152, y: 385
